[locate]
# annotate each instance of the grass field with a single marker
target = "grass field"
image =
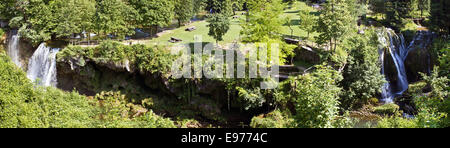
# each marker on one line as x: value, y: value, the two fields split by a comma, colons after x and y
x: 234, y: 33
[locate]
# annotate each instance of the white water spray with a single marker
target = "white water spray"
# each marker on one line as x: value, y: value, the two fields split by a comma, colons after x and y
x: 395, y: 46
x: 42, y: 66
x: 13, y: 48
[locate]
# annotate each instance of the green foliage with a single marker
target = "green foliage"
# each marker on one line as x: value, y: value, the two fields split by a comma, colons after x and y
x: 24, y: 105
x: 433, y: 108
x: 440, y: 17
x: 275, y: 119
x: 334, y: 23
x: 2, y: 33
x: 315, y: 97
x: 417, y: 88
x: 251, y: 98
x: 151, y: 59
x: 184, y: 10
x: 397, y: 12
x: 219, y: 25
x: 263, y: 20
x: 154, y: 12
x: 362, y: 78
x: 114, y: 17
x: 307, y: 21
x: 441, y: 49
x: 396, y: 122
x: 113, y: 110
x: 387, y: 109
x: 72, y: 16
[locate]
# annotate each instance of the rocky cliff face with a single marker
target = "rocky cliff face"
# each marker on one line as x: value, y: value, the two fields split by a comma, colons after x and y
x: 90, y: 77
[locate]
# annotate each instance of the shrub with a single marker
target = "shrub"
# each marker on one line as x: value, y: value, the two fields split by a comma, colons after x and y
x: 397, y: 122
x: 315, y: 97
x: 24, y: 105
x: 275, y: 119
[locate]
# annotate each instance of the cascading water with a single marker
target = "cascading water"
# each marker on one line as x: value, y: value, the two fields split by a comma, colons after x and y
x: 395, y: 46
x: 42, y: 66
x: 13, y: 48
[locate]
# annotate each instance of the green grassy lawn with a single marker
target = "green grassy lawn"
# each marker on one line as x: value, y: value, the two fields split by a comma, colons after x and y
x: 233, y: 34
x: 202, y: 30
x: 292, y: 12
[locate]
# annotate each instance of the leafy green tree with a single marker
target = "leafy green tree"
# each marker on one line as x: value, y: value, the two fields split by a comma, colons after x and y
x: 72, y: 16
x: 315, y: 97
x: 265, y: 20
x: 334, y: 23
x: 112, y: 17
x: 154, y: 13
x: 7, y: 10
x: 183, y: 10
x: 237, y: 5
x: 307, y: 21
x: 219, y: 25
x: 362, y: 77
x: 378, y: 6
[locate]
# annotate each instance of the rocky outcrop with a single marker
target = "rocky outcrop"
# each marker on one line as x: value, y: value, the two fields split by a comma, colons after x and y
x: 90, y: 77
x: 420, y: 59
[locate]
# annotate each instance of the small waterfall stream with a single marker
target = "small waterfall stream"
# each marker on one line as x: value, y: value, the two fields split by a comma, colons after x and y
x: 13, y: 48
x: 394, y: 45
x: 42, y: 66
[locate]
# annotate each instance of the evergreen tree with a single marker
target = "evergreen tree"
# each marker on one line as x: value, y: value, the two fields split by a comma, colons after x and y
x: 440, y: 17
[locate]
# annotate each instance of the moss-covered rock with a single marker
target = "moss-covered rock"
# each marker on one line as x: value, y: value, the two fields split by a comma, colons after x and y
x: 387, y: 109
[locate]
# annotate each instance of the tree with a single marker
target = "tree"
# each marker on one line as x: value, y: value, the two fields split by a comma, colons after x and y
x: 219, y: 24
x: 7, y: 9
x: 362, y: 77
x: 307, y: 21
x: 423, y: 5
x: 315, y: 97
x: 440, y: 17
x: 397, y: 12
x: 72, y: 16
x: 334, y: 23
x: 264, y: 20
x: 154, y: 13
x: 183, y: 10
x: 237, y: 5
x: 112, y: 17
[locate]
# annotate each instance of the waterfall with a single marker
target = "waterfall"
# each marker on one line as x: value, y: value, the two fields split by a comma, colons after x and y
x: 394, y: 45
x: 42, y: 66
x: 13, y: 48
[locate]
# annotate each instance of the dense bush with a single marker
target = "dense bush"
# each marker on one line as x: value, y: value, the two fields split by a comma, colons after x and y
x: 25, y: 105
x: 433, y: 108
x: 151, y: 59
x: 113, y: 110
x: 275, y: 119
x: 315, y: 97
x: 362, y: 77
